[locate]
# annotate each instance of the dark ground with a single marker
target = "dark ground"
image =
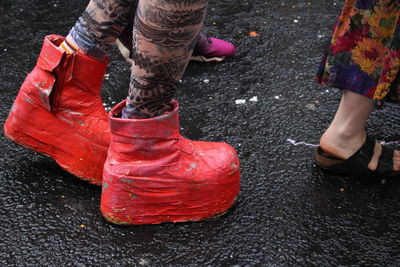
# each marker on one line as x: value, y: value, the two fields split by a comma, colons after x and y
x: 288, y: 212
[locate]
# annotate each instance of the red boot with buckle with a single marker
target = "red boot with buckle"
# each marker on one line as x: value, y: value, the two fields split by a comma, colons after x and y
x: 154, y: 175
x: 59, y: 111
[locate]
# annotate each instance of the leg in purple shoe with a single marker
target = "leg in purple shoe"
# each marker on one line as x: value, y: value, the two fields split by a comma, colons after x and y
x: 206, y: 49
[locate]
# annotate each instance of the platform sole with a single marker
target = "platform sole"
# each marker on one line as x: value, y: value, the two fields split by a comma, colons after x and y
x: 111, y: 219
x: 155, y: 200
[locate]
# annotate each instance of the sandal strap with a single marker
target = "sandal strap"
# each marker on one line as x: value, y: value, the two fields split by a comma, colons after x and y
x: 366, y: 151
x: 385, y: 163
x: 357, y: 164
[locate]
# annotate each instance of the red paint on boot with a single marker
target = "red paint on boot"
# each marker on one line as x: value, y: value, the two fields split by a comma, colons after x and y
x: 59, y: 111
x: 154, y: 175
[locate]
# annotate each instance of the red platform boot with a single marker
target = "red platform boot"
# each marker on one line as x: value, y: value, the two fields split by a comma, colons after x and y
x: 154, y: 175
x: 59, y: 111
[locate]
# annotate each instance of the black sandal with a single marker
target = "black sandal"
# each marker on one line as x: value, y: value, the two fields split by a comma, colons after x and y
x: 357, y: 164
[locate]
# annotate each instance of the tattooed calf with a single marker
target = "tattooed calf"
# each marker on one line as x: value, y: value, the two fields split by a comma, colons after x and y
x: 163, y: 38
x: 173, y: 18
x: 166, y: 38
x: 181, y: 4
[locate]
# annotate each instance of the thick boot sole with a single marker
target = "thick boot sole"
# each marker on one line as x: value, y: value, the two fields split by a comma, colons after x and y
x: 115, y: 221
x: 127, y: 201
x: 33, y: 127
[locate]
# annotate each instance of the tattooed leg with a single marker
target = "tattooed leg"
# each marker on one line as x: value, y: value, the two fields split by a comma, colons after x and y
x: 164, y: 34
x: 100, y: 25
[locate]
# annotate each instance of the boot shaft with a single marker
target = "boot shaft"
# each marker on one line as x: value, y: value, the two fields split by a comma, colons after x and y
x: 77, y: 69
x: 144, y: 139
x: 59, y: 81
x: 66, y: 85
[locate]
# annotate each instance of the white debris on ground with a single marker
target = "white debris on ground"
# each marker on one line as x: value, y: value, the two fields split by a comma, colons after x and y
x: 143, y: 262
x: 254, y: 99
x: 110, y: 104
x: 295, y: 143
x: 389, y: 143
x: 107, y: 76
x: 206, y: 81
x: 243, y: 101
x: 106, y: 107
x: 310, y: 106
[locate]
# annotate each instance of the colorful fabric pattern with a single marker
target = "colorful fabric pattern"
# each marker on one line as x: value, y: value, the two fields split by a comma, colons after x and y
x: 364, y: 52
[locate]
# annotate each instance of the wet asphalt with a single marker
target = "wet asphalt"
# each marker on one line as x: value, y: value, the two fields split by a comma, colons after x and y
x: 288, y: 213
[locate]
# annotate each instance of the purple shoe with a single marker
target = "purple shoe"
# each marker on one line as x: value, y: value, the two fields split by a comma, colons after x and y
x: 212, y: 49
x: 206, y: 49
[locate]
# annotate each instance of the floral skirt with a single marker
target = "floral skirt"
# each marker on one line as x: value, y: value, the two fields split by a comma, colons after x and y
x: 364, y: 52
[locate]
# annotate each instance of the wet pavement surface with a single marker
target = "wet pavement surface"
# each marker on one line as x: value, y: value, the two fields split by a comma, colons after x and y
x: 288, y: 212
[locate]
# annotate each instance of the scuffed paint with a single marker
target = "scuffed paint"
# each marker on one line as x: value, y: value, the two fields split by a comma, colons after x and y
x: 130, y: 181
x: 72, y: 112
x: 44, y: 92
x: 82, y: 123
x: 12, y: 107
x: 64, y: 119
x: 192, y: 166
x: 27, y: 100
x: 118, y: 210
x: 40, y: 85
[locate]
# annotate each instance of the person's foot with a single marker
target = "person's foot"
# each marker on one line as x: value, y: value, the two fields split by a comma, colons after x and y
x: 344, y: 146
x: 210, y: 49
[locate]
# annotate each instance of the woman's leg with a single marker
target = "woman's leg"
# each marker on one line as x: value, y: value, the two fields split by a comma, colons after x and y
x: 363, y: 60
x: 346, y: 133
x: 164, y: 34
